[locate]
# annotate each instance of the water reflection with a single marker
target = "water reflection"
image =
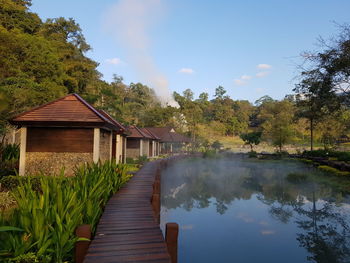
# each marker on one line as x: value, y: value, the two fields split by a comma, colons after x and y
x: 270, y: 211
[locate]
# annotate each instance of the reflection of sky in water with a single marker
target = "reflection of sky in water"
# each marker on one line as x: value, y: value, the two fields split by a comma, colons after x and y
x: 249, y: 213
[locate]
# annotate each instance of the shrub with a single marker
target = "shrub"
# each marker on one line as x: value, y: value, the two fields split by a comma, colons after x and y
x: 10, y: 152
x: 9, y: 183
x: 209, y: 154
x: 252, y: 154
x: 142, y: 159
x: 333, y: 170
x: 341, y: 156
x: 50, y: 216
x: 6, y: 200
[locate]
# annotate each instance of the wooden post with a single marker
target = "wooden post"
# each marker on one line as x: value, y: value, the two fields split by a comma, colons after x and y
x: 96, y: 149
x: 156, y: 207
x: 23, y: 149
x: 81, y: 247
x: 156, y: 187
x: 171, y: 235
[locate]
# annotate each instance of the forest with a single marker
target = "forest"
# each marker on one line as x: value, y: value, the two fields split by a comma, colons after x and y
x: 44, y: 60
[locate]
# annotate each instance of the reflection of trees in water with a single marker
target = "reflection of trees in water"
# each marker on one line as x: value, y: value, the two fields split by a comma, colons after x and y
x: 325, y: 235
x: 324, y: 230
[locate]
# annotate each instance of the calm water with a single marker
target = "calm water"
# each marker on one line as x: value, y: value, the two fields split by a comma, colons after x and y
x: 243, y: 210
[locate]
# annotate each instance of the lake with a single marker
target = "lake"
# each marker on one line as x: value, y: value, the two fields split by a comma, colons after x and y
x: 236, y: 209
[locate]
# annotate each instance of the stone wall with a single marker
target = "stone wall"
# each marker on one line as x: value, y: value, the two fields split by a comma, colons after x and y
x: 145, y: 147
x: 133, y: 153
x: 51, y: 163
x: 105, y: 140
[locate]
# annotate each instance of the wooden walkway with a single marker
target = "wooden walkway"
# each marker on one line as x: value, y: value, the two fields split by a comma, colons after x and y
x: 128, y: 231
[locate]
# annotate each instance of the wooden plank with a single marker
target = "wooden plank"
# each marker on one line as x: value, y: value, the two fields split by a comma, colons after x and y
x: 59, y: 140
x: 127, y: 230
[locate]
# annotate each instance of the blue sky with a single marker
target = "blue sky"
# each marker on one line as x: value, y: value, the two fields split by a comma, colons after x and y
x: 249, y: 47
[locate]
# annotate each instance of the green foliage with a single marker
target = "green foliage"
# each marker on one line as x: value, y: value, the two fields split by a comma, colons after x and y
x: 209, y: 154
x: 10, y: 183
x: 252, y: 154
x: 251, y: 139
x: 333, y: 170
x: 277, y: 121
x: 59, y: 207
x: 26, y: 258
x: 216, y: 145
x: 340, y: 156
x: 10, y: 152
x: 6, y: 201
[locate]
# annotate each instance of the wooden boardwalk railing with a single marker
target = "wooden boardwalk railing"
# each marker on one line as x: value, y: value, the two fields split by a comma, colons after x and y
x: 128, y: 230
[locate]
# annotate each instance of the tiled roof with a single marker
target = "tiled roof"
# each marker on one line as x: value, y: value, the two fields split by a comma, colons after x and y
x: 136, y: 132
x: 168, y: 134
x: 121, y: 127
x: 150, y: 134
x: 71, y: 110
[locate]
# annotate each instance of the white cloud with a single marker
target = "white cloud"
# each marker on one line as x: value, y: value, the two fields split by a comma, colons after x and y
x: 264, y: 66
x: 113, y: 61
x: 262, y: 74
x: 246, y: 77
x: 186, y: 71
x: 240, y: 82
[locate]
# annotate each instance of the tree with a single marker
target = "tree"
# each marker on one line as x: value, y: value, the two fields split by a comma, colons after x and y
x: 216, y: 145
x: 277, y: 119
x: 251, y: 139
x: 219, y: 93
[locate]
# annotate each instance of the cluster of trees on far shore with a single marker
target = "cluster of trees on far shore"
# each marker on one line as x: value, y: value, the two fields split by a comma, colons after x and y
x: 44, y: 60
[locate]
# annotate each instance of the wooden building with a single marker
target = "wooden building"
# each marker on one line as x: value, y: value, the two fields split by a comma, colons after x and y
x: 170, y: 141
x: 141, y: 142
x: 65, y: 133
x: 154, y: 143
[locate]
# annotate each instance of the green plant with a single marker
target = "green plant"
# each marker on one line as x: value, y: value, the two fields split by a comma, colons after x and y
x: 58, y: 207
x: 6, y: 200
x: 333, y: 170
x: 11, y: 182
x: 252, y: 154
x: 142, y: 159
x: 251, y: 139
x: 10, y: 152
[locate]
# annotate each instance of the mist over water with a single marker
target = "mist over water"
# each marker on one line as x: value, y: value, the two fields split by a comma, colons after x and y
x: 244, y: 210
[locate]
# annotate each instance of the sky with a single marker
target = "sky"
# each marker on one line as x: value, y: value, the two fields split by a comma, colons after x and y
x: 251, y: 47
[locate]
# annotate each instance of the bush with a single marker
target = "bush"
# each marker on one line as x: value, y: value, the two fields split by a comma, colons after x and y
x: 209, y: 154
x: 50, y: 216
x: 10, y: 152
x: 341, y: 156
x: 6, y: 200
x: 333, y: 170
x: 9, y: 183
x: 252, y: 154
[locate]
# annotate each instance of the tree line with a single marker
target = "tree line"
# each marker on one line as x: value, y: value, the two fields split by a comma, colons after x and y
x: 44, y: 60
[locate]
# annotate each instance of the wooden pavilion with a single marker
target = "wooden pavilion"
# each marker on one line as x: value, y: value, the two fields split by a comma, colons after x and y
x: 65, y: 133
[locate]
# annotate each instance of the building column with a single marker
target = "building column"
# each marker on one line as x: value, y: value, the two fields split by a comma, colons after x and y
x: 141, y: 146
x: 110, y: 145
x: 153, y: 149
x: 118, y: 149
x: 23, y: 149
x: 96, y: 150
x: 124, y: 155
